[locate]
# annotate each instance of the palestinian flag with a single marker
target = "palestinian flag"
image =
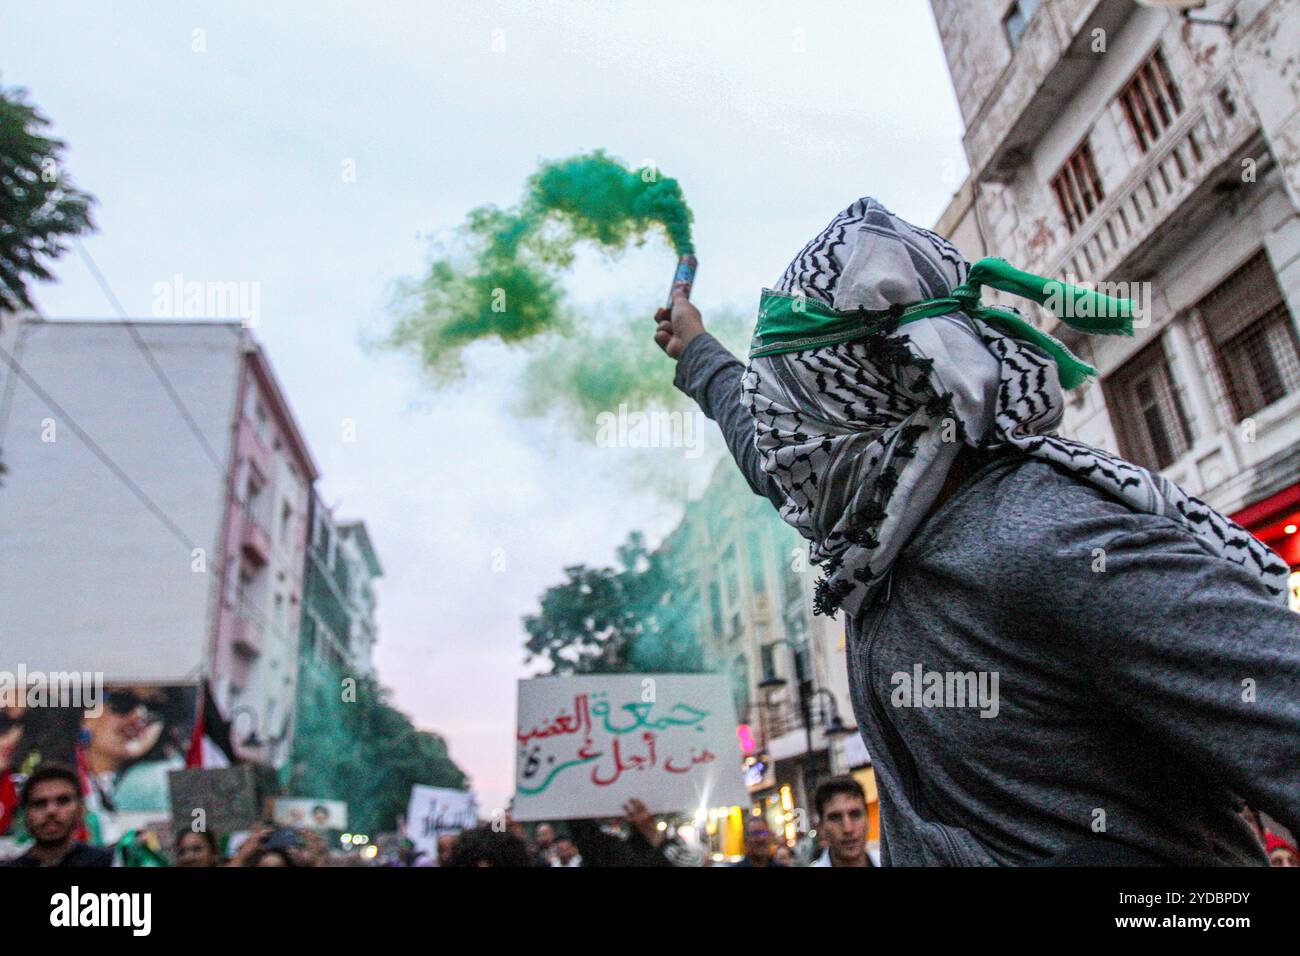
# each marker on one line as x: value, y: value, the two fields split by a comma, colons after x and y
x: 8, y: 801
x: 210, y: 744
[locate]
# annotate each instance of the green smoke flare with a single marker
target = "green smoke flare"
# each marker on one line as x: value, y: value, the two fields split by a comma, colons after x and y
x: 601, y: 200
x: 505, y: 284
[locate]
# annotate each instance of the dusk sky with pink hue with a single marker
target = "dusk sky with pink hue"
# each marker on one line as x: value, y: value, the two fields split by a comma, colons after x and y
x: 227, y: 165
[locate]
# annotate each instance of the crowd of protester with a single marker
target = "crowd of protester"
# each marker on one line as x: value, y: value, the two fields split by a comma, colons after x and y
x: 52, y: 805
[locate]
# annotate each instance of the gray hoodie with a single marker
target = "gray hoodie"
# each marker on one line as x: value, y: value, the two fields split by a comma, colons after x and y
x: 1048, y: 671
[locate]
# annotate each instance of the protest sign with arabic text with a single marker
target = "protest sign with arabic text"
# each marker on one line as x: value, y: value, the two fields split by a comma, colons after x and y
x: 585, y: 745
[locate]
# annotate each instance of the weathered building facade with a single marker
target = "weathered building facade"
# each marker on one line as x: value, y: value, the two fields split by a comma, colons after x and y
x: 1157, y: 155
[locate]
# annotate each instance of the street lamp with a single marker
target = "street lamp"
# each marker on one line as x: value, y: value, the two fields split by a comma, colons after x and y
x: 771, y: 682
x: 835, y: 727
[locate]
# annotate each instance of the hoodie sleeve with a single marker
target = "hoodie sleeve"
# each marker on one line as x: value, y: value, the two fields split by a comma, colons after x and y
x: 710, y: 375
x: 1194, y: 650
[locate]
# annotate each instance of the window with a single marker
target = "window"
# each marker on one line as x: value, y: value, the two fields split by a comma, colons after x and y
x: 323, y: 540
x: 803, y: 676
x: 1254, y: 336
x: 1153, y: 428
x: 792, y: 580
x: 1151, y: 100
x: 757, y: 573
x: 729, y: 572
x: 1017, y: 20
x: 1078, y: 187
x: 796, y: 625
x: 769, y: 661
x: 244, y: 587
x: 740, y: 686
x: 231, y: 579
x: 715, y: 608
x: 1227, y: 103
x: 252, y: 489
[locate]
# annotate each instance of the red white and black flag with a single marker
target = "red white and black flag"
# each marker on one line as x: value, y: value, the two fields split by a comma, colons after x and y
x: 210, y: 744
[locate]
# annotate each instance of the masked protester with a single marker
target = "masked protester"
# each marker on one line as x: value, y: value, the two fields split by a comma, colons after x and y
x: 1046, y: 643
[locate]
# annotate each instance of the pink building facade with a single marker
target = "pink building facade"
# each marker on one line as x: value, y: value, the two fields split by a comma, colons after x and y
x: 265, y: 530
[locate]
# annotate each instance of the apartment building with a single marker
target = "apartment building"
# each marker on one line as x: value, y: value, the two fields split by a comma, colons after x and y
x: 749, y: 589
x: 338, y: 622
x: 1154, y: 152
x: 153, y: 517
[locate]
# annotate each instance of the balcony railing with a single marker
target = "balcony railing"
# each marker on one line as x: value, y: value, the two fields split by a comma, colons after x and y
x: 254, y: 538
x: 254, y: 448
x: 247, y: 635
x: 1150, y: 195
x: 1044, y: 72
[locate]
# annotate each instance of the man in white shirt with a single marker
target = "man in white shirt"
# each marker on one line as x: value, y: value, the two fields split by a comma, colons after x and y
x: 841, y: 807
x: 566, y: 853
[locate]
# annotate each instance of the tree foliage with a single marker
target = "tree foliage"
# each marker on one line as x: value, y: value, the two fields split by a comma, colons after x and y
x: 39, y: 207
x: 355, y: 746
x: 617, y: 619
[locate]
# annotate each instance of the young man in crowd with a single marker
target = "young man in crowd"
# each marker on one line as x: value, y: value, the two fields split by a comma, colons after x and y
x: 758, y: 844
x: 842, y: 819
x: 544, y: 840
x: 51, y: 805
x: 566, y: 853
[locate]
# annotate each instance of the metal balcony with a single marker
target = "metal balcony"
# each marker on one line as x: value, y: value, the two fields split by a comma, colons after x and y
x: 1053, y: 58
x: 254, y: 539
x: 1159, y: 201
x: 247, y: 635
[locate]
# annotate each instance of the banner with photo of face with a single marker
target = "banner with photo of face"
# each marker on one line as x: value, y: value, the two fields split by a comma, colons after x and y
x: 311, y: 813
x: 122, y: 739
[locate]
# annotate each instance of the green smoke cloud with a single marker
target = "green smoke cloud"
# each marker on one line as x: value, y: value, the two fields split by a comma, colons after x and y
x: 505, y: 281
x: 601, y: 200
x: 614, y: 361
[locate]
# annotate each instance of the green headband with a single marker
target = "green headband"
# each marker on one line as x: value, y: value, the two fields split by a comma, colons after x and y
x: 793, y: 323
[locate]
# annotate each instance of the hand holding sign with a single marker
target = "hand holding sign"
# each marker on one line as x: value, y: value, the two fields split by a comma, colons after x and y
x: 585, y: 745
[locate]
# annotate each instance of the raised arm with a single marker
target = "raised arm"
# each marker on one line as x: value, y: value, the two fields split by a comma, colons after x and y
x: 710, y: 375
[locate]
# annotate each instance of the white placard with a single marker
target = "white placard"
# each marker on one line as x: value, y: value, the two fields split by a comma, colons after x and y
x: 310, y: 813
x: 436, y: 810
x: 585, y: 745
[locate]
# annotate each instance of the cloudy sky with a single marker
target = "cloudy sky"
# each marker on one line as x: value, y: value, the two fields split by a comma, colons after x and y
x: 217, y: 137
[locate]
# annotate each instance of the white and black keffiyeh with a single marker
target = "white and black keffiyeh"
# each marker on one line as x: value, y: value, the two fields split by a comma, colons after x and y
x: 861, y: 435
